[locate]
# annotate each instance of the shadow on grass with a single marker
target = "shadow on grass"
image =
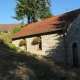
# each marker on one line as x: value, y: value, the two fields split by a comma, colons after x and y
x: 23, y: 66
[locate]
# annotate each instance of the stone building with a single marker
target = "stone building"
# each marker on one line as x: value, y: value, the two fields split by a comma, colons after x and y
x: 6, y: 28
x: 59, y: 37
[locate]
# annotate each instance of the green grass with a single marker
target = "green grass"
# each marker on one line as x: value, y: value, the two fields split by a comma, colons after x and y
x: 6, y: 37
x: 5, y: 42
x: 2, y: 34
x: 11, y: 46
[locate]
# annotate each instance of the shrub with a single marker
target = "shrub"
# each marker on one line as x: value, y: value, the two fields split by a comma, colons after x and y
x: 16, y: 30
x: 22, y: 43
x: 12, y: 46
x: 36, y: 40
x: 6, y: 38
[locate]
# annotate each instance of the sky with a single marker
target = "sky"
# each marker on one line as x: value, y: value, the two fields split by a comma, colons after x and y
x: 57, y: 7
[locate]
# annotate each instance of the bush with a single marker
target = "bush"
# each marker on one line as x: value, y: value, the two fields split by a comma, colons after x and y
x: 6, y: 38
x: 12, y: 46
x: 16, y: 30
x: 22, y: 43
x: 36, y: 40
x: 2, y: 34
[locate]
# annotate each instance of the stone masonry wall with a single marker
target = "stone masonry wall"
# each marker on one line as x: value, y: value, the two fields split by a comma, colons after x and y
x: 53, y: 46
x: 32, y: 48
x: 16, y: 43
x: 73, y: 36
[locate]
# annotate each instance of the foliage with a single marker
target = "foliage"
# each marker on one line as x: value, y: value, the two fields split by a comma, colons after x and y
x: 2, y: 34
x: 5, y: 42
x: 32, y: 10
x: 7, y: 45
x: 36, y: 40
x: 6, y: 37
x: 11, y: 46
x: 22, y: 24
x: 22, y: 43
x: 16, y: 30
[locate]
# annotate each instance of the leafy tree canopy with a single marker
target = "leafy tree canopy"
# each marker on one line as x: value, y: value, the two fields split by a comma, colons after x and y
x: 33, y: 10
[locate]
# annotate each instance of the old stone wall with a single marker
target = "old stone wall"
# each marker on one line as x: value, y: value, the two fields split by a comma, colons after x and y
x: 16, y: 43
x: 73, y: 36
x: 32, y: 48
x: 53, y: 45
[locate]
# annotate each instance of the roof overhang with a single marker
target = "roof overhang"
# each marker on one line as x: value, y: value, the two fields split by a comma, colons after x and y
x: 37, y: 34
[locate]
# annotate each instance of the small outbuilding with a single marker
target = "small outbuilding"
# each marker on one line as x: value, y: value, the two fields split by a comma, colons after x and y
x: 57, y: 37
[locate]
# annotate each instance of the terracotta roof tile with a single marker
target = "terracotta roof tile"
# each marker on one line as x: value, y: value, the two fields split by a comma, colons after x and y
x: 4, y: 27
x: 8, y: 27
x: 12, y: 26
x: 47, y: 25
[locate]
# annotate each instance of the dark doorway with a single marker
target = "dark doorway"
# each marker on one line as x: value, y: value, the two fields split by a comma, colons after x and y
x: 40, y: 43
x: 40, y: 46
x: 75, y: 54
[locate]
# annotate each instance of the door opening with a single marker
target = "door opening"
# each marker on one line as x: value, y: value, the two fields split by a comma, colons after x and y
x: 75, y: 54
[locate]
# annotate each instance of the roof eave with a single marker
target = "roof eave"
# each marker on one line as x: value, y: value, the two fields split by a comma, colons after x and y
x: 61, y: 29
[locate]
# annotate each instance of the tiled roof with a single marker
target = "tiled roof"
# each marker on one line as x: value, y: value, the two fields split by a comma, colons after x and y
x: 8, y: 27
x: 12, y: 26
x: 0, y: 25
x: 4, y: 27
x: 51, y: 24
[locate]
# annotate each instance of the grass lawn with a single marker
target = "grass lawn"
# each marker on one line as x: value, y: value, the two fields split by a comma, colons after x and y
x: 1, y: 34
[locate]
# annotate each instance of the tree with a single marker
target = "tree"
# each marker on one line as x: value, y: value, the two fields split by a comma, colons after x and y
x: 33, y: 10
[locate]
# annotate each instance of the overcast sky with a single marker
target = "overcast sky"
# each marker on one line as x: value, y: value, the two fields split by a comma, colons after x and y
x: 57, y: 7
